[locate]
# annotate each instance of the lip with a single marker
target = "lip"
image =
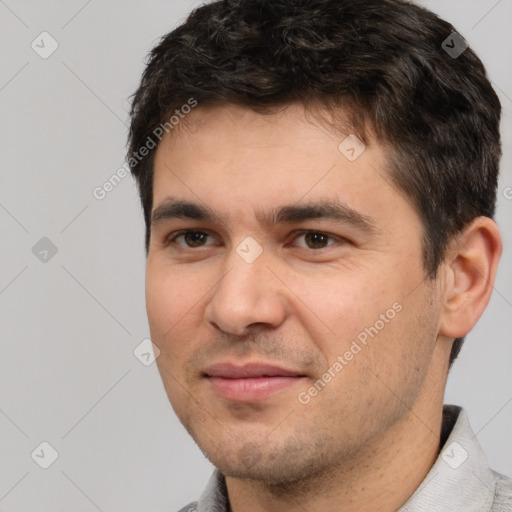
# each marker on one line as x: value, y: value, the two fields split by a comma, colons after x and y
x: 250, y: 382
x: 229, y: 370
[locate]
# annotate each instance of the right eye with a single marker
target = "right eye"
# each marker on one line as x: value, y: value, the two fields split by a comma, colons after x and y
x: 192, y: 238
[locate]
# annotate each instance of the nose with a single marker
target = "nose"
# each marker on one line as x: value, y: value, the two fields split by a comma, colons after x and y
x: 247, y: 294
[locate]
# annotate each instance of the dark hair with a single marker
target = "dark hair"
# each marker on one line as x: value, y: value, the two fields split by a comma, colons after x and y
x: 384, y: 64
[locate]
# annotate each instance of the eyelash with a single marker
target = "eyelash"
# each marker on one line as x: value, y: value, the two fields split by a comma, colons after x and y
x: 172, y: 238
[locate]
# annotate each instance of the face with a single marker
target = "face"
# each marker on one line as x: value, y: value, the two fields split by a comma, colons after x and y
x: 290, y: 305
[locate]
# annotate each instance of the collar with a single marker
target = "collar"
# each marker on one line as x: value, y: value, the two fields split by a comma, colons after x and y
x: 460, y: 479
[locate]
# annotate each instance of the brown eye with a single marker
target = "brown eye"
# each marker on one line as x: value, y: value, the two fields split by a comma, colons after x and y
x: 315, y: 239
x: 192, y: 238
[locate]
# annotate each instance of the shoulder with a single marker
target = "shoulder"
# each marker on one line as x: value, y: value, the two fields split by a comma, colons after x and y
x: 191, y: 507
x: 503, y: 493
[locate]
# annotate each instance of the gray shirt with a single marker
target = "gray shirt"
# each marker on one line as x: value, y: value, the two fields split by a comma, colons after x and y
x: 459, y: 481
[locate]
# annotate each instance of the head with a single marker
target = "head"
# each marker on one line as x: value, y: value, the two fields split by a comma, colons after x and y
x: 249, y: 103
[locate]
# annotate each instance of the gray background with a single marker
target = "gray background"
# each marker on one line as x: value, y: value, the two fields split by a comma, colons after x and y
x: 69, y: 325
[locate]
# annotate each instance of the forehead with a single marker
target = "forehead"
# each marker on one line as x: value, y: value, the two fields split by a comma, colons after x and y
x: 292, y: 130
x: 232, y: 156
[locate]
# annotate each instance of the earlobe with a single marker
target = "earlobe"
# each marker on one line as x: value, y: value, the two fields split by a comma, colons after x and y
x: 471, y: 268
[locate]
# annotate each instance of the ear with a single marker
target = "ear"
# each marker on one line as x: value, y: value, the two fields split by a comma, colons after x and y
x: 470, y: 267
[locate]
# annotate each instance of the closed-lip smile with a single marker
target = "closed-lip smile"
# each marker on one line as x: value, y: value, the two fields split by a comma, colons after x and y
x: 231, y: 371
x: 250, y: 382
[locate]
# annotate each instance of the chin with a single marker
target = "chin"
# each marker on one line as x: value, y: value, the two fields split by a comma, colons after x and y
x: 271, y: 466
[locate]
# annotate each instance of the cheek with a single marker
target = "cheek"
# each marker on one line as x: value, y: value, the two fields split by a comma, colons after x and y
x: 338, y: 308
x: 160, y: 303
x: 170, y: 301
x: 171, y: 295
x: 170, y: 311
x: 368, y: 317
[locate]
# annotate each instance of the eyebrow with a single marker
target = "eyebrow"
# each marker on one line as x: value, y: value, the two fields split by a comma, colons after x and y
x: 173, y: 208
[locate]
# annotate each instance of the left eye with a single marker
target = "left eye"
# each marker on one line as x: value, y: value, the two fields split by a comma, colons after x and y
x: 315, y: 239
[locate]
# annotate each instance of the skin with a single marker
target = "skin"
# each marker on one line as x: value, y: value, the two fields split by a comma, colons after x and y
x: 367, y: 440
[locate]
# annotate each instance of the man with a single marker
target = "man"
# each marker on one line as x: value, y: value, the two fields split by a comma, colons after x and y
x: 318, y: 181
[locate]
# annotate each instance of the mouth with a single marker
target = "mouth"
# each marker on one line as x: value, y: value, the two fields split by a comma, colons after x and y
x: 251, y: 382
